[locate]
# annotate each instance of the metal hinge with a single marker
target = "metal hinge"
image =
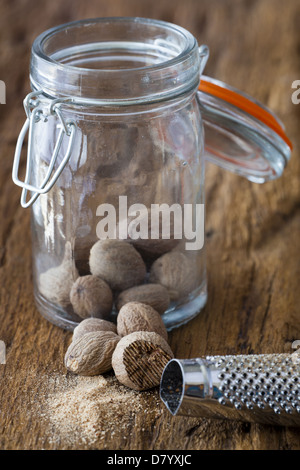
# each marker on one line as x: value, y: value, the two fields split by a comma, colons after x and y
x: 67, y: 128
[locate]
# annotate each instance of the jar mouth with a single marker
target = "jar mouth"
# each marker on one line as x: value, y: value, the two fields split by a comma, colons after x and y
x: 115, y: 59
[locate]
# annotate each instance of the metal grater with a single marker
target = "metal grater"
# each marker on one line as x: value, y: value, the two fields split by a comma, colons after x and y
x: 256, y: 388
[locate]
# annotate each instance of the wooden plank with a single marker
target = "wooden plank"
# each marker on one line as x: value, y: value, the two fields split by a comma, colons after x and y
x: 252, y: 239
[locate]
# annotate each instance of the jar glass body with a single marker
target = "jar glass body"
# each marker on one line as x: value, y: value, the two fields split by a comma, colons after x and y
x: 135, y: 166
x: 151, y: 157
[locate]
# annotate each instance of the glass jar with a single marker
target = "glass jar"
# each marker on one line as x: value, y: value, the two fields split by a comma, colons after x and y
x: 115, y: 165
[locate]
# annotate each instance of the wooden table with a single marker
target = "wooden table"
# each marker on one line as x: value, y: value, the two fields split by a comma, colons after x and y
x: 252, y: 230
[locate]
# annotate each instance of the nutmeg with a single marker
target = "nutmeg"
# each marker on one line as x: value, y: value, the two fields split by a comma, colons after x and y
x: 55, y: 284
x: 91, y: 353
x: 135, y: 316
x: 91, y: 325
x: 176, y: 272
x: 140, y: 358
x: 118, y: 263
x: 91, y: 297
x: 154, y: 295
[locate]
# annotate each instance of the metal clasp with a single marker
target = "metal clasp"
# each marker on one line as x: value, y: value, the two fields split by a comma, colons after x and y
x: 204, y: 55
x: 67, y: 128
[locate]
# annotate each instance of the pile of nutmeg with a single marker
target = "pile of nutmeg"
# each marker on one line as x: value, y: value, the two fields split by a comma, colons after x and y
x: 136, y: 348
x: 118, y: 268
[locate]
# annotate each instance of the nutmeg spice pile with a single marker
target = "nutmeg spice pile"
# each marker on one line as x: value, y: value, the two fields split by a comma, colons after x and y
x: 115, y: 272
x: 136, y: 347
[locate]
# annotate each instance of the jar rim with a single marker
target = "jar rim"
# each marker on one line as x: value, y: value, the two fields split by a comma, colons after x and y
x: 39, y: 42
x: 170, y: 53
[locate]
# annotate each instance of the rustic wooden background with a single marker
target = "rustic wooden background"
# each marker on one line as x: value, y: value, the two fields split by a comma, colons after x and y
x: 252, y: 230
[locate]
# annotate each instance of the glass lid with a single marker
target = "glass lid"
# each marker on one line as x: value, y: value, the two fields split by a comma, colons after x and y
x: 241, y: 134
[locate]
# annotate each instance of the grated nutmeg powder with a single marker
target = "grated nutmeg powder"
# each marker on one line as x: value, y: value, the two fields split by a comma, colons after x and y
x: 94, y: 410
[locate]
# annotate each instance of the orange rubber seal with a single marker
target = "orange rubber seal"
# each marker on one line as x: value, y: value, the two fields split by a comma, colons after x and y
x: 246, y: 105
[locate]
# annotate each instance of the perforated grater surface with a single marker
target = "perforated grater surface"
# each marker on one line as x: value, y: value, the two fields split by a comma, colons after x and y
x: 255, y: 388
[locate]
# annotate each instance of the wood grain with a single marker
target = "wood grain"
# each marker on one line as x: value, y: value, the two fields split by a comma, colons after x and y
x: 252, y: 230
